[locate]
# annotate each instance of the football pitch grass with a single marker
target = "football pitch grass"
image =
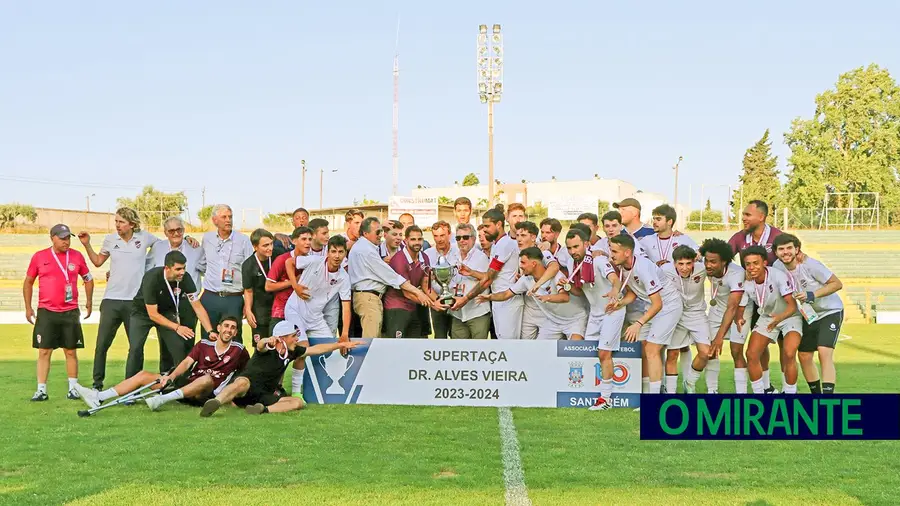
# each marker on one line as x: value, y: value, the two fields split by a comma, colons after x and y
x: 355, y: 454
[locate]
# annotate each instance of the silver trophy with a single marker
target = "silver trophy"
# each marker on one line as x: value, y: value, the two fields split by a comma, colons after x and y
x: 443, y: 273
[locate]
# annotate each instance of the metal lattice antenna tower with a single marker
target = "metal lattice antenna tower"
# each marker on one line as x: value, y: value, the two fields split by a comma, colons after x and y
x: 396, y: 122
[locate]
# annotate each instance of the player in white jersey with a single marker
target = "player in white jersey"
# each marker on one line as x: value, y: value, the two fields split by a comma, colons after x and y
x: 643, y: 280
x: 318, y: 246
x: 726, y: 281
x: 500, y: 277
x: 550, y: 231
x: 773, y: 294
x: 815, y: 288
x: 689, y: 276
x: 322, y: 280
x: 612, y: 227
x: 598, y: 281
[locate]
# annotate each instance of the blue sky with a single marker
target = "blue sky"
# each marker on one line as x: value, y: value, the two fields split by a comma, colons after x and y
x: 232, y: 95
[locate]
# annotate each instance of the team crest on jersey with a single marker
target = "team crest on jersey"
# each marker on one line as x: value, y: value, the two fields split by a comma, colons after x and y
x: 576, y: 374
x: 771, y: 288
x: 697, y: 279
x: 38, y: 338
x: 652, y: 283
x: 740, y: 284
x: 71, y: 267
x: 334, y: 282
x: 832, y: 327
x: 137, y: 244
x: 226, y: 359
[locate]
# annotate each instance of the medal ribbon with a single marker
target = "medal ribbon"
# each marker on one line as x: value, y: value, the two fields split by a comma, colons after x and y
x: 175, y: 300
x: 761, y: 294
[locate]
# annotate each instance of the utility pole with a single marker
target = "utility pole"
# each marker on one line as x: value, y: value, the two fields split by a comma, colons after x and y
x: 396, y: 120
x: 303, y: 184
x: 675, y: 197
x: 203, y: 196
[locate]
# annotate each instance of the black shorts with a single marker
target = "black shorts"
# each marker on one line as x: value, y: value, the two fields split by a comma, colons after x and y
x: 822, y: 332
x: 259, y: 395
x: 403, y: 323
x: 57, y: 330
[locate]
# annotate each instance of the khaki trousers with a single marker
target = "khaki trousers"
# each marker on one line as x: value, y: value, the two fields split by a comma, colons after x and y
x: 476, y: 328
x: 370, y: 310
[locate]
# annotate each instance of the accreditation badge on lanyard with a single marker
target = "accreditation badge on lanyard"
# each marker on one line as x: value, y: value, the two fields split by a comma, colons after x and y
x: 70, y: 289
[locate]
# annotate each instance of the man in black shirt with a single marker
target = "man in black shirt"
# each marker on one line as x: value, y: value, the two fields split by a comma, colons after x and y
x: 257, y: 301
x: 159, y: 304
x: 258, y: 386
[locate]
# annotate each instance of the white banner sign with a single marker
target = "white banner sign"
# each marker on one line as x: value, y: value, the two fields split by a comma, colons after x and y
x: 570, y: 207
x: 456, y: 372
x: 423, y: 209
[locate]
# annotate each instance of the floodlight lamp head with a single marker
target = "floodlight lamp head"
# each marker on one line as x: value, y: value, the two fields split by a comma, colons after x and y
x: 496, y: 28
x: 482, y: 28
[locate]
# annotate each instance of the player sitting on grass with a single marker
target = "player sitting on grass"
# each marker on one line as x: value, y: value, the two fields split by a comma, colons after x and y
x: 258, y: 387
x: 216, y: 362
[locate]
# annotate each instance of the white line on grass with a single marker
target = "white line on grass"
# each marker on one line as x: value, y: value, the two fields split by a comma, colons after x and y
x: 513, y: 474
x: 845, y: 337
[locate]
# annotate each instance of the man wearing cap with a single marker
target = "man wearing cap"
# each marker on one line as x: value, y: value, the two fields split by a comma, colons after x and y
x: 630, y: 209
x: 58, y: 322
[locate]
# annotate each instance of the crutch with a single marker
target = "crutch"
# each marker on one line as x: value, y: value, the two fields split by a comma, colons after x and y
x: 130, y: 397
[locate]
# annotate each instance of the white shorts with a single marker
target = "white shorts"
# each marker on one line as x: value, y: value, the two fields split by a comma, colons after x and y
x: 507, y: 317
x: 631, y: 317
x: 662, y: 326
x: 792, y: 324
x: 692, y: 328
x: 606, y: 329
x: 530, y: 328
x: 320, y: 329
x: 551, y: 329
x: 732, y: 334
x: 312, y: 329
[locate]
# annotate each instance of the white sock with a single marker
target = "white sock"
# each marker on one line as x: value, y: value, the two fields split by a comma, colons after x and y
x: 297, y: 380
x: 685, y: 360
x: 72, y: 383
x: 172, y: 396
x: 606, y: 388
x: 655, y: 387
x: 42, y: 387
x: 671, y: 383
x: 758, y: 387
x: 740, y: 380
x: 692, y: 376
x: 109, y: 393
x: 765, y: 380
x: 712, y: 375
x: 789, y: 389
x: 645, y: 385
x: 784, y: 381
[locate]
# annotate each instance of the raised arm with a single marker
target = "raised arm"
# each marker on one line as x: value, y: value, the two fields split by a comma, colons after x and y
x: 95, y: 258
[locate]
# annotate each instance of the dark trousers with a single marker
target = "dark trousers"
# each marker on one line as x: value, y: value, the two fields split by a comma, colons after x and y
x: 113, y: 314
x: 172, y: 346
x: 424, y: 313
x: 441, y: 321
x: 217, y: 307
x: 402, y: 323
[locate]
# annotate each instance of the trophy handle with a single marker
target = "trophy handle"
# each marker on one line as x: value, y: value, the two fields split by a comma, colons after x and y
x: 321, y: 359
x: 350, y: 360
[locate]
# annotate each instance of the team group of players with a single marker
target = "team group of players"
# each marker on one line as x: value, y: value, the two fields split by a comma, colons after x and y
x: 514, y: 279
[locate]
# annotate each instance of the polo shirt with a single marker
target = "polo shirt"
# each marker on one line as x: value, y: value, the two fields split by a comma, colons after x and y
x: 127, y: 263
x: 153, y: 290
x: 157, y: 257
x: 278, y: 273
x: 252, y: 278
x: 412, y: 271
x: 743, y: 240
x: 52, y: 284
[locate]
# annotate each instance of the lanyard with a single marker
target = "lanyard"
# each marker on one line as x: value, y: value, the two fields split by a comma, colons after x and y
x: 625, y: 281
x: 264, y: 272
x: 763, y: 239
x: 664, y: 253
x: 222, y: 243
x: 761, y: 294
x: 576, y: 270
x: 63, y: 269
x: 275, y: 347
x: 176, y: 298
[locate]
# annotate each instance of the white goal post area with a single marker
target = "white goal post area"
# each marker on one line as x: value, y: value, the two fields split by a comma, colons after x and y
x: 850, y: 210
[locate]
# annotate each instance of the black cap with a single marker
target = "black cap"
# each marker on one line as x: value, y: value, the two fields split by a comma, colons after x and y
x: 61, y: 231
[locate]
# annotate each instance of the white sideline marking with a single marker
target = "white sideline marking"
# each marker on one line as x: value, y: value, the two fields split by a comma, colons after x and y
x: 513, y: 474
x: 845, y: 337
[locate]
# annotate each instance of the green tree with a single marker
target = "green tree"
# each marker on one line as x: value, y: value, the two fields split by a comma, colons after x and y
x: 154, y: 206
x: 708, y: 205
x: 536, y: 213
x: 602, y: 207
x: 471, y: 180
x: 759, y: 179
x: 9, y: 213
x: 445, y: 201
x: 276, y: 221
x: 851, y: 144
x: 481, y: 204
x: 712, y: 220
x: 205, y: 214
x: 365, y: 201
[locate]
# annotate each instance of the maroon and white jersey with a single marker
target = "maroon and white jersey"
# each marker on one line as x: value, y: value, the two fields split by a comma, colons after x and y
x: 220, y: 367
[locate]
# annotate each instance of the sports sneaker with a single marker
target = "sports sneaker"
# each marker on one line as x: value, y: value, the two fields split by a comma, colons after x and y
x: 688, y: 388
x: 39, y: 396
x: 210, y: 407
x: 255, y: 409
x: 154, y: 403
x: 90, y: 397
x: 73, y: 395
x: 770, y: 390
x: 601, y: 405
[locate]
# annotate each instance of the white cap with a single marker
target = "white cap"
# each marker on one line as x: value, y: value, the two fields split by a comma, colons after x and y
x: 284, y: 328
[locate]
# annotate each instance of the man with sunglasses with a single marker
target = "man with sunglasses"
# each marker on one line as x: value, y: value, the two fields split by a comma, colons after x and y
x: 473, y: 320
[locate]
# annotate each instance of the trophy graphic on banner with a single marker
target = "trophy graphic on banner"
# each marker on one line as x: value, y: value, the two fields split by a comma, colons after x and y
x: 336, y: 366
x: 443, y: 273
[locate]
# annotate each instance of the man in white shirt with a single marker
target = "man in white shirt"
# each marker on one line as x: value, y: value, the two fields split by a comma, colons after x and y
x: 689, y: 277
x: 815, y: 289
x: 726, y: 281
x: 550, y: 230
x: 591, y: 221
x: 370, y: 276
x: 472, y: 321
x: 319, y: 243
x: 773, y: 296
x: 223, y: 255
x: 660, y: 246
x: 323, y: 280
x: 501, y: 275
x: 644, y: 280
x: 441, y: 321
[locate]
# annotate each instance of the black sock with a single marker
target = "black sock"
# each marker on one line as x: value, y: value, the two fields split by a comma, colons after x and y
x: 827, y: 388
x: 815, y: 387
x: 265, y: 409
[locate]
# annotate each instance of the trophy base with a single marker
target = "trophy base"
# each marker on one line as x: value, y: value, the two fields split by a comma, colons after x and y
x: 447, y: 301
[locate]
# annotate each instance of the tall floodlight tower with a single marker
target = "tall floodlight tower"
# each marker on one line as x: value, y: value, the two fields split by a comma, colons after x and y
x: 396, y: 122
x: 489, y: 57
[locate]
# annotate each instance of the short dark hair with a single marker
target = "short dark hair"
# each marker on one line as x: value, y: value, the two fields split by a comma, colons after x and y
x: 175, y: 258
x: 577, y: 232
x: 783, y: 239
x: 258, y: 234
x: 366, y: 225
x: 494, y: 215
x: 529, y: 227
x: 762, y: 206
x: 462, y: 201
x: 410, y: 229
x: 392, y: 225
x: 750, y: 251
x: 300, y: 231
x: 555, y: 225
x: 353, y: 212
x: 592, y: 217
x: 718, y: 247
x: 684, y: 252
x: 586, y: 230
x: 532, y: 253
x: 623, y: 240
x: 229, y: 318
x: 612, y: 216
x: 666, y: 211
x: 337, y: 241
x: 300, y: 210
x: 317, y: 223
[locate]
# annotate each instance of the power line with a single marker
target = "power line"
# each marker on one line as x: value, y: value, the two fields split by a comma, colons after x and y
x: 86, y: 184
